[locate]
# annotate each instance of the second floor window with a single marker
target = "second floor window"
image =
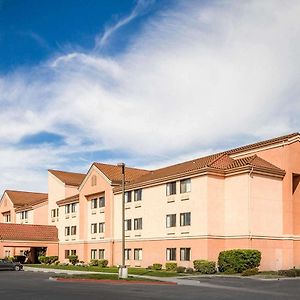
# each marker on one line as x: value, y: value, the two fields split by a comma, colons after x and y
x: 102, y: 202
x: 138, y: 224
x: 127, y: 224
x: 171, y: 220
x: 94, y: 203
x: 128, y: 197
x: 7, y: 218
x: 101, y: 227
x: 67, y: 209
x: 185, y: 186
x: 94, y: 228
x: 138, y: 195
x: 67, y: 231
x: 73, y: 230
x: 171, y: 188
x: 185, y: 219
x: 24, y: 215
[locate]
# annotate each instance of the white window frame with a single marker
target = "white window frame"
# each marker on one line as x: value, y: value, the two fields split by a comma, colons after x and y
x: 185, y: 186
x: 185, y: 254
x: 138, y: 223
x: 138, y: 254
x: 171, y: 254
x: 171, y: 188
x: 185, y: 219
x: 171, y: 220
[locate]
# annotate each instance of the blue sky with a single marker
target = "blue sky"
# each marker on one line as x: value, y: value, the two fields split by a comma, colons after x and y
x: 146, y: 82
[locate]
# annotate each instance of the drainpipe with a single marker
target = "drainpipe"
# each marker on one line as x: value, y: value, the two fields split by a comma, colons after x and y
x: 250, y: 208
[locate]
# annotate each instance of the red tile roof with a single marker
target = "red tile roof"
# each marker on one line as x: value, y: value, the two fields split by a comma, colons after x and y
x: 68, y: 200
x: 21, y: 198
x: 69, y: 178
x: 113, y: 172
x: 21, y: 232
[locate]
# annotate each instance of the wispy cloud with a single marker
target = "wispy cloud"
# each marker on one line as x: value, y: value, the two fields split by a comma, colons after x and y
x: 140, y: 8
x: 197, y: 78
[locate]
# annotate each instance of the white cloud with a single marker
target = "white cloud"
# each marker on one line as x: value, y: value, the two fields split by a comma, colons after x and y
x: 194, y: 76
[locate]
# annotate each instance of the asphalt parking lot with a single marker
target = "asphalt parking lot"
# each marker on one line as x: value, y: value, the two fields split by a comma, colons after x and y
x: 31, y: 286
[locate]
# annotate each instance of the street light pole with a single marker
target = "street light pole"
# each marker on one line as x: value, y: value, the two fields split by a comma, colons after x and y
x: 123, y: 272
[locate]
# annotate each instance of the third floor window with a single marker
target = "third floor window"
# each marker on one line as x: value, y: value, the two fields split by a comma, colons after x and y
x: 185, y: 186
x: 138, y: 195
x: 171, y: 220
x: 171, y: 188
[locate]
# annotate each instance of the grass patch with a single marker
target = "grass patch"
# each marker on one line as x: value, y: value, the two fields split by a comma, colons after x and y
x: 102, y: 277
x: 132, y: 271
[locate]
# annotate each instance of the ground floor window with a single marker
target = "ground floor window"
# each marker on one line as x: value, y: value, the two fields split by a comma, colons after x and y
x: 101, y: 253
x: 127, y: 254
x: 171, y: 254
x: 185, y: 254
x: 94, y: 254
x: 7, y: 253
x: 67, y: 253
x: 73, y: 252
x: 138, y: 254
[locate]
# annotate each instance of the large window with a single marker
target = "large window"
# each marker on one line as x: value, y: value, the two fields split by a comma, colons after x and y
x: 101, y: 254
x: 94, y: 203
x: 185, y: 254
x: 127, y: 224
x: 171, y: 254
x: 171, y: 220
x: 171, y: 188
x: 138, y: 195
x: 185, y: 219
x: 67, y: 231
x: 73, y: 230
x: 73, y: 207
x: 54, y: 213
x: 185, y: 186
x: 24, y: 215
x: 138, y: 224
x: 67, y: 209
x: 127, y: 254
x: 94, y: 228
x: 102, y: 202
x: 138, y: 254
x: 128, y: 197
x: 101, y: 227
x: 93, y: 253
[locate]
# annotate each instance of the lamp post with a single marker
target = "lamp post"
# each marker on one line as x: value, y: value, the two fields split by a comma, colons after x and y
x: 123, y: 272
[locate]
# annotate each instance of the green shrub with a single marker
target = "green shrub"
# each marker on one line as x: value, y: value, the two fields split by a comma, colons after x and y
x: 42, y: 259
x: 102, y: 263
x: 94, y: 262
x: 238, y: 260
x: 180, y: 269
x: 297, y: 272
x: 171, y: 266
x: 52, y: 259
x: 157, y: 266
x: 250, y: 272
x: 189, y: 270
x: 47, y: 259
x: 288, y: 273
x: 205, y: 266
x: 149, y: 267
x: 73, y: 259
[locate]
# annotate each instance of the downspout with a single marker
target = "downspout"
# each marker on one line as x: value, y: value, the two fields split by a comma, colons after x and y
x: 250, y: 209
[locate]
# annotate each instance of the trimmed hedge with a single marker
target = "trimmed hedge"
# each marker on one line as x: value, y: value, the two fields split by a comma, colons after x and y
x: 205, y: 266
x: 47, y: 259
x: 171, y: 266
x: 157, y: 266
x: 180, y: 269
x: 289, y: 273
x: 250, y: 272
x: 102, y: 263
x: 238, y: 260
x: 73, y: 259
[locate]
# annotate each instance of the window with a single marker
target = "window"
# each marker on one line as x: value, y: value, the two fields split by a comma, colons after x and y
x: 127, y: 224
x: 127, y: 197
x: 73, y: 252
x: 94, y: 203
x: 73, y: 230
x: 138, y: 195
x: 7, y: 218
x: 24, y: 215
x: 127, y: 254
x: 185, y: 186
x: 171, y: 220
x: 57, y: 212
x: 94, y: 180
x: 54, y: 213
x: 93, y: 253
x: 73, y: 207
x: 94, y: 228
x: 171, y: 254
x: 67, y: 209
x: 67, y: 231
x: 102, y: 202
x: 67, y: 253
x: 171, y: 188
x: 185, y: 219
x: 101, y: 254
x: 138, y: 254
x: 7, y: 253
x: 138, y: 224
x: 185, y: 254
x: 101, y: 227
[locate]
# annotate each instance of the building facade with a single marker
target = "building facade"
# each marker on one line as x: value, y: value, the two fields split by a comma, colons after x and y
x: 248, y: 197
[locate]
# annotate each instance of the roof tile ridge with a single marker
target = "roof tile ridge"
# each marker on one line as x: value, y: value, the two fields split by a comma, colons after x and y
x: 219, y: 156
